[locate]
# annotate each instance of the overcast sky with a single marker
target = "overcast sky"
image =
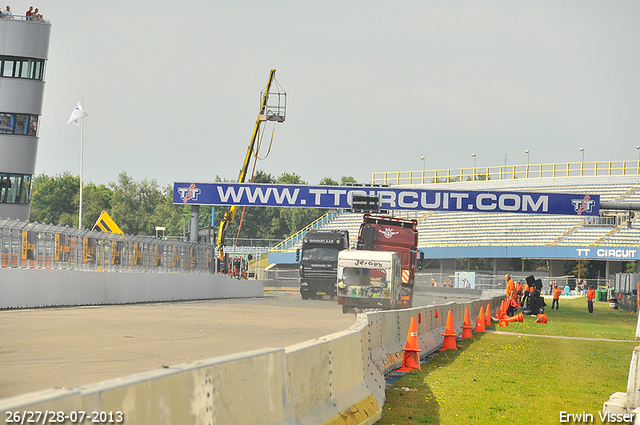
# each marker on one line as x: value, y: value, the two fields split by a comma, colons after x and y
x: 172, y: 89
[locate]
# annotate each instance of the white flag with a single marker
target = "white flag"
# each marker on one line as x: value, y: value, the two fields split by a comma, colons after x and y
x: 76, y: 115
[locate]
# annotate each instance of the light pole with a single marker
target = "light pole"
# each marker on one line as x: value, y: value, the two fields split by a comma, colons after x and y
x: 474, y: 165
x: 527, y: 152
x: 423, y: 163
x: 638, y: 149
x: 582, y: 150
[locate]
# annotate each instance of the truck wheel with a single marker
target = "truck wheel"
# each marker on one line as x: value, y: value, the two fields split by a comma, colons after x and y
x: 345, y: 309
x: 304, y: 296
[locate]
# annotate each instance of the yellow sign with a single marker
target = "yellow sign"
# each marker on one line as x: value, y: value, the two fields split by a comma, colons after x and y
x: 177, y: 260
x: 28, y: 245
x: 107, y: 225
x: 115, y: 252
x: 157, y: 255
x: 137, y: 254
x: 62, y: 248
x: 88, y: 250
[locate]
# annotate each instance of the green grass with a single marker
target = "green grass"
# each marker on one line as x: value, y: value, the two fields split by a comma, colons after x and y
x: 513, y: 379
x: 573, y: 319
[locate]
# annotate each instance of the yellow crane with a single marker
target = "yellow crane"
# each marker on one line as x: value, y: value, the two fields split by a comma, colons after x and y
x: 274, y: 111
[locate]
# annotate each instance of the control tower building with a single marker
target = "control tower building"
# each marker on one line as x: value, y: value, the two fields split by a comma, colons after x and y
x: 24, y: 47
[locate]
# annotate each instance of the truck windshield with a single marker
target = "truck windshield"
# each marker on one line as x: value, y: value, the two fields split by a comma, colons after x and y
x: 320, y: 254
x: 354, y: 276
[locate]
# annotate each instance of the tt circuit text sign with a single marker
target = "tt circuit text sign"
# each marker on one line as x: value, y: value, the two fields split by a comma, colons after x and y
x: 339, y: 197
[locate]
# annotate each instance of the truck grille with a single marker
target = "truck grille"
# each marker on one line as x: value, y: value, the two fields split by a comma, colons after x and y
x: 319, y: 274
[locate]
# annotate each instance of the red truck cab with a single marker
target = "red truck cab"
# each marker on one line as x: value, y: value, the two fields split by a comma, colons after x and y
x: 384, y: 233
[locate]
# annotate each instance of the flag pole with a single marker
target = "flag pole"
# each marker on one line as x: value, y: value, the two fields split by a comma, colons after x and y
x: 81, y: 166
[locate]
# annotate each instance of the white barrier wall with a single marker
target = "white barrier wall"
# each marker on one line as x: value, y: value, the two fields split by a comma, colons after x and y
x: 337, y: 379
x: 24, y: 288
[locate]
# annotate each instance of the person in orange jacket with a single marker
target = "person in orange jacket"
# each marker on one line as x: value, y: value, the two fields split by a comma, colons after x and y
x: 556, y: 297
x: 511, y: 287
x: 591, y: 295
x: 511, y: 295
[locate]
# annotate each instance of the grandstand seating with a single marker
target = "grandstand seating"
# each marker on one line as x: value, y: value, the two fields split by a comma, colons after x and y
x: 440, y: 228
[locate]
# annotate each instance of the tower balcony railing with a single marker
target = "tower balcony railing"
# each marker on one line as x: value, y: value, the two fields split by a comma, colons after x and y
x: 23, y: 18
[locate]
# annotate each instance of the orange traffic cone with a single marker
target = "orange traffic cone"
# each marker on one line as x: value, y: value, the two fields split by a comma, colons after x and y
x: 449, y: 334
x: 466, y: 325
x: 480, y: 321
x: 437, y: 314
x: 516, y: 318
x: 500, y: 313
x: 503, y: 323
x: 542, y: 318
x: 411, y: 359
x: 487, y: 315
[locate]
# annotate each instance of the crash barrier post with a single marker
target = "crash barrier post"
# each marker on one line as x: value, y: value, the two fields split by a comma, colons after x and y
x: 336, y: 379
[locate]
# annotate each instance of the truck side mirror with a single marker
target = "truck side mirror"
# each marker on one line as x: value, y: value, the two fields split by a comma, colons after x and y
x: 297, y: 255
x: 421, y: 262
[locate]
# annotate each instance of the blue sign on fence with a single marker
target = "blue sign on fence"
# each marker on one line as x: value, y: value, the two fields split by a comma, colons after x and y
x: 276, y: 195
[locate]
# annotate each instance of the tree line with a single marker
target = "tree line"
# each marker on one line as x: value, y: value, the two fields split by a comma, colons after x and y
x: 139, y: 206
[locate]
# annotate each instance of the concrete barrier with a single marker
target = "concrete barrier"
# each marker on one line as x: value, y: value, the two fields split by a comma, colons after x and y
x: 24, y: 288
x: 628, y: 403
x: 336, y: 379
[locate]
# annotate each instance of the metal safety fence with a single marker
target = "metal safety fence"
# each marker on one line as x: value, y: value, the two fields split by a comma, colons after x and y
x: 45, y: 246
x: 509, y: 172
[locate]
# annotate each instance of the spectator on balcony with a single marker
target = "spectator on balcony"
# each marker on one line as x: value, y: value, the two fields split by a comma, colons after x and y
x: 7, y: 13
x: 29, y: 13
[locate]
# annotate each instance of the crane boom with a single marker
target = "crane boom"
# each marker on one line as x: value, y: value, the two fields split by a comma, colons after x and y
x: 230, y: 215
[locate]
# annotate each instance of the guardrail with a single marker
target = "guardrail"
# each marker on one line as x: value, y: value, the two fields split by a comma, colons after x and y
x: 509, y: 172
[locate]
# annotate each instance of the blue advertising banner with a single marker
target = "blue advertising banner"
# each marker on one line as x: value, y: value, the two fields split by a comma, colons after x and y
x: 339, y: 197
x: 610, y: 253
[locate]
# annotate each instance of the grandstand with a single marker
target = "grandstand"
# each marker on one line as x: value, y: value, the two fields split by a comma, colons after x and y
x: 449, y: 235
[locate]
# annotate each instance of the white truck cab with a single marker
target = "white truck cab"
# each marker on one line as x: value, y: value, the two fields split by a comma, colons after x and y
x: 368, y: 280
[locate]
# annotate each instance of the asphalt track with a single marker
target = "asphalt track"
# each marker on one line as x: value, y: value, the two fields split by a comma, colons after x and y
x: 72, y: 346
